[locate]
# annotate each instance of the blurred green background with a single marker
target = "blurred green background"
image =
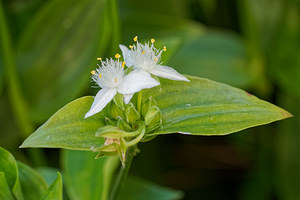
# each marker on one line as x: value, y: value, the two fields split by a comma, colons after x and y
x: 49, y: 47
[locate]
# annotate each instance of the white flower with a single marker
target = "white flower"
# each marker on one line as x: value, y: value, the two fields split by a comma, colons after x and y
x: 110, y: 76
x: 145, y: 57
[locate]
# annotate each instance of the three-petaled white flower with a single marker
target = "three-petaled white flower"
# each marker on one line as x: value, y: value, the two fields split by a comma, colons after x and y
x: 146, y: 58
x: 111, y: 77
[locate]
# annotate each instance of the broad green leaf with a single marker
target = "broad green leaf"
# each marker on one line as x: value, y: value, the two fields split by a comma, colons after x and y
x: 201, y: 107
x: 5, y: 193
x: 218, y: 56
x: 68, y: 129
x: 33, y: 185
x: 85, y: 177
x: 205, y: 107
x: 57, y: 50
x: 136, y: 189
x: 8, y: 166
x: 55, y: 190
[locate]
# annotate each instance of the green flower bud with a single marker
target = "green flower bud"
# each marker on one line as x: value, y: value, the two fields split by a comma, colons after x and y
x: 109, y: 132
x: 153, y: 119
x: 123, y: 125
x: 153, y: 116
x: 147, y: 104
x: 119, y: 100
x: 116, y: 112
x: 132, y: 115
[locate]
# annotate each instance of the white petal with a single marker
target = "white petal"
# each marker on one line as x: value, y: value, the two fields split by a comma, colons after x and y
x: 127, y: 54
x: 136, y: 81
x: 167, y: 72
x: 127, y: 97
x: 103, y: 97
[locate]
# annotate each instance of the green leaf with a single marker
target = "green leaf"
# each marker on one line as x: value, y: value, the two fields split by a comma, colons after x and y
x: 5, y: 193
x: 9, y: 168
x: 33, y: 185
x: 85, y: 177
x: 68, y: 129
x: 57, y: 50
x: 55, y: 190
x: 136, y: 189
x: 205, y: 107
x: 218, y: 56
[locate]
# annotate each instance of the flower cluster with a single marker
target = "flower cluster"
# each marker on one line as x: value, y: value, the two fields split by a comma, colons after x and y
x: 126, y: 124
x: 112, y: 77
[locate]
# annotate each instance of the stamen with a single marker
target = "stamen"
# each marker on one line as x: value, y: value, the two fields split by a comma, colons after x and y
x: 99, y: 58
x: 155, y: 59
x: 165, y: 48
x: 117, y: 56
x: 130, y: 46
x: 123, y: 64
x: 143, y: 52
x: 93, y: 72
x: 152, y: 40
x: 100, y: 75
x: 116, y: 79
x: 135, y: 38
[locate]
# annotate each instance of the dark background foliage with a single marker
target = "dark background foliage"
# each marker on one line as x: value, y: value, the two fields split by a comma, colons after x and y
x: 250, y: 44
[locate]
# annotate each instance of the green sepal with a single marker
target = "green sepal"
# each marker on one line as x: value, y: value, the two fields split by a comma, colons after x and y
x: 103, y: 154
x: 132, y: 115
x: 107, y: 148
x: 109, y: 131
x: 109, y: 121
x: 123, y: 125
x: 128, y: 70
x: 147, y: 104
x: 119, y: 100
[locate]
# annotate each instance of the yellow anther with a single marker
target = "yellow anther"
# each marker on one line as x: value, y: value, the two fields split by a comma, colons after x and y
x: 155, y: 59
x: 99, y: 58
x: 93, y: 72
x: 165, y: 48
x: 152, y: 40
x: 123, y: 64
x: 130, y: 46
x: 143, y: 52
x: 117, y: 56
x: 135, y: 38
x: 116, y: 80
x: 100, y: 75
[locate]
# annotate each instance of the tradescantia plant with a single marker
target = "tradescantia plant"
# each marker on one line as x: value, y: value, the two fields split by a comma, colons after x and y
x: 114, y: 121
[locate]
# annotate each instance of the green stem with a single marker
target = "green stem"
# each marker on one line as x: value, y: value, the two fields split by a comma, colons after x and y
x: 139, y: 101
x: 122, y: 173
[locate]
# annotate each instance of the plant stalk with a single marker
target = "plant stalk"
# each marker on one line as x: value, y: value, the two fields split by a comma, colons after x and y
x: 122, y: 173
x: 139, y: 101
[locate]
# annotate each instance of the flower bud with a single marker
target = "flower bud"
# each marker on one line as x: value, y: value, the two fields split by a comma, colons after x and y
x: 132, y: 115
x: 153, y: 119
x: 148, y: 103
x: 109, y: 132
x: 116, y: 112
x: 119, y: 100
